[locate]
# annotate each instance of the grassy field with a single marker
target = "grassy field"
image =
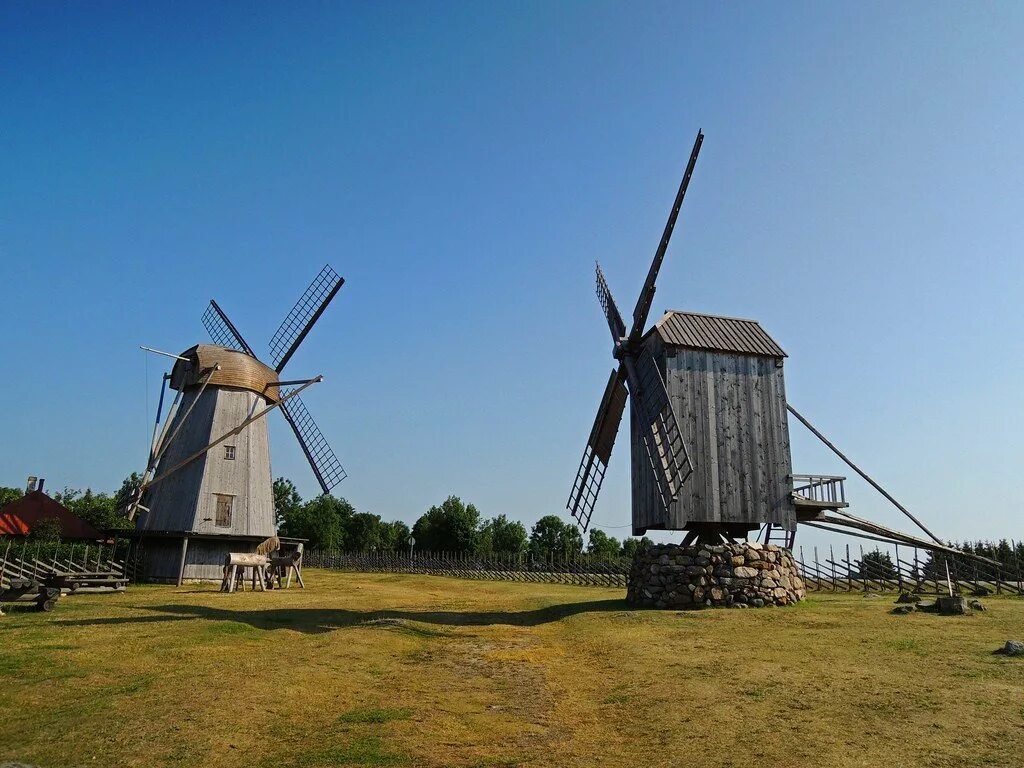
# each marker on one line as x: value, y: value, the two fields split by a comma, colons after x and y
x: 417, y: 670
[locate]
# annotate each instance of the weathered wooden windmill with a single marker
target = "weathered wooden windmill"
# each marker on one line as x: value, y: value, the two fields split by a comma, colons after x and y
x: 711, y: 454
x: 207, y: 489
x: 709, y: 435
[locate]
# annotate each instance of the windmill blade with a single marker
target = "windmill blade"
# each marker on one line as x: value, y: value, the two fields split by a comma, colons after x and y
x: 643, y: 304
x: 304, y: 314
x: 325, y: 464
x: 222, y: 331
x: 590, y: 474
x: 611, y: 312
x: 658, y: 426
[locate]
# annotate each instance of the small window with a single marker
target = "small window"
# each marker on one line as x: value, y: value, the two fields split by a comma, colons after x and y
x: 229, y: 452
x: 223, y: 518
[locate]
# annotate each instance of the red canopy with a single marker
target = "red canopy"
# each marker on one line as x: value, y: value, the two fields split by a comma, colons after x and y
x: 19, y: 517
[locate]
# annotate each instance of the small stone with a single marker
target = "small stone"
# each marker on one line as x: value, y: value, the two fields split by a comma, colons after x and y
x: 976, y: 605
x: 737, y: 560
x: 1012, y: 648
x: 907, y: 597
x: 904, y: 609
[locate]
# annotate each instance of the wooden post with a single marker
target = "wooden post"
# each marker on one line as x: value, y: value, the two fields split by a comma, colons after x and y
x: 181, y: 565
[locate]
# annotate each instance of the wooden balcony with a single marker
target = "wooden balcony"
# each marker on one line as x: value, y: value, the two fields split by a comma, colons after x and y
x: 814, y: 494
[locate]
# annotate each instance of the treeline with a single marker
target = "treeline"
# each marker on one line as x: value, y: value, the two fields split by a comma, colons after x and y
x: 452, y: 526
x: 1009, y: 553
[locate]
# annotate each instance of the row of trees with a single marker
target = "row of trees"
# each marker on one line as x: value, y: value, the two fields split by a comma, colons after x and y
x: 452, y: 526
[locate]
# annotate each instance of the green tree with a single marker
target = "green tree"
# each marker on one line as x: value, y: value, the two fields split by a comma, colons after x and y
x: 603, y: 546
x: 394, y: 536
x: 451, y: 527
x: 551, y: 537
x: 631, y: 546
x: 503, y: 536
x: 97, y: 509
x: 286, y: 500
x: 46, y: 531
x: 129, y: 488
x: 363, y: 532
x: 7, y: 495
x: 322, y: 521
x: 877, y: 565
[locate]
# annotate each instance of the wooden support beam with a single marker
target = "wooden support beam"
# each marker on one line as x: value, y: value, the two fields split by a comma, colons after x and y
x: 860, y: 472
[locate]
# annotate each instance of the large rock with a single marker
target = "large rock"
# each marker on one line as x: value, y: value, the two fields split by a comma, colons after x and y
x: 953, y: 605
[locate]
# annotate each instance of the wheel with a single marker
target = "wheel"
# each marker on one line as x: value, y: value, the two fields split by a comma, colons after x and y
x: 46, y: 605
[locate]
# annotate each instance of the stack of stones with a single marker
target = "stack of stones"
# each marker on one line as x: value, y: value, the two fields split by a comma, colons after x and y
x: 703, y: 575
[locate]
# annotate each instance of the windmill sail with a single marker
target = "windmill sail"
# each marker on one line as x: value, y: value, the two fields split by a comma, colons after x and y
x: 222, y: 331
x: 604, y: 295
x: 592, y: 467
x: 303, y: 316
x: 659, y: 428
x: 643, y: 304
x: 325, y: 464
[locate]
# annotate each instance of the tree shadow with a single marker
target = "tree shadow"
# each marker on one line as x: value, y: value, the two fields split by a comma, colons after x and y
x: 319, y: 620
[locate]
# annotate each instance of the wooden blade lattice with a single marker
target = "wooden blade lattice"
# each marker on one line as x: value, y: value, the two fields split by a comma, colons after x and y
x: 324, y: 463
x: 659, y: 428
x: 611, y: 312
x: 222, y: 331
x: 596, y: 455
x: 303, y: 316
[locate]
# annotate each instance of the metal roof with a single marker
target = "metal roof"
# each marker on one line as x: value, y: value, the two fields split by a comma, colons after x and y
x: 722, y: 334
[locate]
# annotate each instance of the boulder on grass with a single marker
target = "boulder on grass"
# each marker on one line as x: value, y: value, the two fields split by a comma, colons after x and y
x: 1012, y: 648
x: 904, y: 609
x: 955, y: 605
x: 908, y: 597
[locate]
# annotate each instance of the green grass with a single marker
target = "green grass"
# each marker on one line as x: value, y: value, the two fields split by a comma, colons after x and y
x: 370, y: 670
x: 374, y: 715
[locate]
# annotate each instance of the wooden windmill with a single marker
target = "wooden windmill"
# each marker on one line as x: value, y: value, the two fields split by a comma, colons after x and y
x: 709, y: 429
x: 207, y: 489
x: 709, y: 438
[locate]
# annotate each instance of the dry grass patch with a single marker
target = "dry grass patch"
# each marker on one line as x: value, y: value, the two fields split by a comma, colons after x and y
x: 426, y: 671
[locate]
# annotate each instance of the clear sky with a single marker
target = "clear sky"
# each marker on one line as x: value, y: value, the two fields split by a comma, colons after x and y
x: 860, y: 193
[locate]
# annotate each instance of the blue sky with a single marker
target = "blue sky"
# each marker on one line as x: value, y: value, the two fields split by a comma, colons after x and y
x: 859, y: 193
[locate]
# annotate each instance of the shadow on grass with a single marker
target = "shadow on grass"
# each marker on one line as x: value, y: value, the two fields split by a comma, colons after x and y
x: 317, y: 620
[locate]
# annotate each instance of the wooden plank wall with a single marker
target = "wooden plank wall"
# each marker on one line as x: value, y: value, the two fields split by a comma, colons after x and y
x: 184, y: 501
x: 732, y: 413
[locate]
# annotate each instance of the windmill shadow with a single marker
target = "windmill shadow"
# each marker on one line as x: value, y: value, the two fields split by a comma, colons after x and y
x: 321, y: 620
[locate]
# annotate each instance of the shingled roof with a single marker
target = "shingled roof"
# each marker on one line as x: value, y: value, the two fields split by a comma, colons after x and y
x: 19, y: 517
x: 719, y: 334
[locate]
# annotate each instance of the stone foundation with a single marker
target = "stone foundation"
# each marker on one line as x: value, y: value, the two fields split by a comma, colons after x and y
x: 746, y: 574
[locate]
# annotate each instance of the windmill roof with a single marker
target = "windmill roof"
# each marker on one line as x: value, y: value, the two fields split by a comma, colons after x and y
x: 713, y: 332
x: 20, y: 516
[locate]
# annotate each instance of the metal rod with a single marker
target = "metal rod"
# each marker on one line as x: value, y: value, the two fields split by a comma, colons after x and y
x: 861, y: 472
x: 165, y: 354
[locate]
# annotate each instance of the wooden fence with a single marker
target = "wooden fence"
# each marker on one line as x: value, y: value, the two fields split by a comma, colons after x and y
x: 910, y: 570
x: 85, y: 565
x: 582, y: 570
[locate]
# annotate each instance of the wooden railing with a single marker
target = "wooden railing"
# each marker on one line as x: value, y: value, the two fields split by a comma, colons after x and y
x: 822, y: 488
